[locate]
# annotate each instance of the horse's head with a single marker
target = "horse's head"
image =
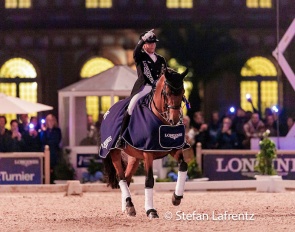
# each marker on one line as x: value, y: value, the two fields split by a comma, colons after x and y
x: 171, y: 96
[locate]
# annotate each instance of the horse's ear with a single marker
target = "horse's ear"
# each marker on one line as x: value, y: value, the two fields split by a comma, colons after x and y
x: 184, y: 73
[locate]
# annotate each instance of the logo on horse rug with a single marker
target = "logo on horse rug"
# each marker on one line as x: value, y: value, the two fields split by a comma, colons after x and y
x: 145, y: 131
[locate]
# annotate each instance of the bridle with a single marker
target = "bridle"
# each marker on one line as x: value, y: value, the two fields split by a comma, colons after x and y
x: 165, y: 95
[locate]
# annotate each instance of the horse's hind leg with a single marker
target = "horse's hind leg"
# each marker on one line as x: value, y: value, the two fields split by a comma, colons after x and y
x: 182, y: 175
x: 149, y: 185
x: 127, y: 204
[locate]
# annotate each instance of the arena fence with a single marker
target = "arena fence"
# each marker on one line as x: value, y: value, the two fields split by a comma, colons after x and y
x: 202, y: 184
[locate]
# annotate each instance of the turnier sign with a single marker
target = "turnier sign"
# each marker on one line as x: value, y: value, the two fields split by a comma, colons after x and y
x: 20, y: 171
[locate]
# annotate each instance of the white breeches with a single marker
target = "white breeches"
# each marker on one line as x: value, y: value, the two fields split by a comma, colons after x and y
x: 146, y: 89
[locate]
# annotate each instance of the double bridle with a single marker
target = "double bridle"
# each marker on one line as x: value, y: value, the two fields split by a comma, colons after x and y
x: 165, y: 114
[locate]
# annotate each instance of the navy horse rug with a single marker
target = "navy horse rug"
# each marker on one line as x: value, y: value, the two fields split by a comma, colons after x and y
x: 145, y: 131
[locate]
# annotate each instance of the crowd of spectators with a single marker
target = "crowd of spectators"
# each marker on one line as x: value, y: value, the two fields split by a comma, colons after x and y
x: 228, y: 131
x: 31, y: 135
x: 234, y: 130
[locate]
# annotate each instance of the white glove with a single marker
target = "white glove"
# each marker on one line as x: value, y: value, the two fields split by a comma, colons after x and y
x: 148, y: 35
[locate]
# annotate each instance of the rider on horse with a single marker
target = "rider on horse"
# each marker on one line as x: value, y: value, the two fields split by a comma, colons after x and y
x: 150, y: 66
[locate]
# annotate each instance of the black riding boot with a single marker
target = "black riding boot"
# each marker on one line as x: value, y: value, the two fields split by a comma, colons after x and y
x: 120, y: 142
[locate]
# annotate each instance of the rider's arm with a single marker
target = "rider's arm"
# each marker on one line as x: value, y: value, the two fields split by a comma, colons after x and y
x: 137, y: 53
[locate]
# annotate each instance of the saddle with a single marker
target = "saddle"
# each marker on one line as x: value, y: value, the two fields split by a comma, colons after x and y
x: 145, y: 131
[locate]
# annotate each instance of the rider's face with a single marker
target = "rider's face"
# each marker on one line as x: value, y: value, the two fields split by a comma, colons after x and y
x: 149, y: 47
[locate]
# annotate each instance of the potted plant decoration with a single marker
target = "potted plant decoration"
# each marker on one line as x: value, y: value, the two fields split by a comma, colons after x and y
x: 268, y: 179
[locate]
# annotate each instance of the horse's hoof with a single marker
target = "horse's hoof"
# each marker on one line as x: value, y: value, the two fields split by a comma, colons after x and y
x: 152, y: 213
x: 130, y: 210
x: 176, y: 199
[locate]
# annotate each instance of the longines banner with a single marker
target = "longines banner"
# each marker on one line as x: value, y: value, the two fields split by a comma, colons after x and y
x: 20, y: 171
x: 241, y: 167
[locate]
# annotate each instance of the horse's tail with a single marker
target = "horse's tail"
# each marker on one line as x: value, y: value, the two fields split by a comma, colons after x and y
x: 110, y: 174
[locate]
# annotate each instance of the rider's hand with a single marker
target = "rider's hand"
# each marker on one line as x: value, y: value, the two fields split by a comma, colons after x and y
x: 148, y: 35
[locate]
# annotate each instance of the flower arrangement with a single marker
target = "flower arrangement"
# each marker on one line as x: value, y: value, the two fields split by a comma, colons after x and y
x: 266, y: 155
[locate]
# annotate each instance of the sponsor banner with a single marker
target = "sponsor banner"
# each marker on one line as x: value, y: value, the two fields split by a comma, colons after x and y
x: 241, y: 167
x: 21, y: 171
x: 83, y: 160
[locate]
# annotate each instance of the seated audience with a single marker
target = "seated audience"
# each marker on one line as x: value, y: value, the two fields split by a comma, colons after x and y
x: 254, y: 128
x: 226, y: 137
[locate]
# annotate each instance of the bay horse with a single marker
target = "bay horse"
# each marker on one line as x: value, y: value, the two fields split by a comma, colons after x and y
x: 165, y: 104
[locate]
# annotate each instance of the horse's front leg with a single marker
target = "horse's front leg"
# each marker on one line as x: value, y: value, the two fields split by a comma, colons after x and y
x: 149, y: 185
x: 182, y: 175
x: 127, y: 205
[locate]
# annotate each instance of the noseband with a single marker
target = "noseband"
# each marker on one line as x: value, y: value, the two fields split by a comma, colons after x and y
x: 166, y: 114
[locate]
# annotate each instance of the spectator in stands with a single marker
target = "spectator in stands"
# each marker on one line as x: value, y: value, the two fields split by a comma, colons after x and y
x: 200, y: 129
x: 267, y: 112
x: 188, y: 153
x: 189, y: 134
x: 51, y: 135
x: 213, y: 129
x: 92, y: 138
x: 254, y: 128
x: 290, y: 123
x: 23, y: 123
x: 238, y: 126
x: 15, y: 143
x: 31, y: 137
x: 226, y: 137
x: 36, y: 122
x: 270, y: 124
x: 4, y: 134
x: 248, y: 115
